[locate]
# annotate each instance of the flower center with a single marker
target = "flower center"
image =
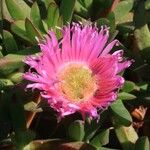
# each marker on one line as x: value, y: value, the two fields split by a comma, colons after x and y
x: 77, y: 82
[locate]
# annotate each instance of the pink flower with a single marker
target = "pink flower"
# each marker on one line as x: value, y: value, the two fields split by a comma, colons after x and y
x: 78, y: 73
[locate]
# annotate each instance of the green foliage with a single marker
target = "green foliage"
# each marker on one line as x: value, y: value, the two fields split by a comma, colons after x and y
x: 25, y: 22
x: 142, y: 143
x: 126, y: 136
x: 120, y: 113
x: 16, y: 11
x: 76, y: 130
x: 9, y: 42
x: 100, y: 139
x: 67, y: 11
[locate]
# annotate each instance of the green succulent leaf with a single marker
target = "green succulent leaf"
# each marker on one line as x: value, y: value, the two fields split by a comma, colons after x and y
x: 102, y: 21
x: 100, y: 139
x: 130, y: 86
x: 59, y: 26
x: 57, y: 144
x: 126, y: 136
x: 22, y: 138
x: 33, y: 107
x: 66, y: 11
x: 10, y: 63
x: 9, y: 42
x: 47, y: 3
x: 86, y: 3
x: 142, y: 143
x: 4, y: 11
x: 80, y: 9
x: 52, y: 15
x: 126, y: 96
x: 76, y: 130
x: 120, y: 113
x: 5, y: 83
x: 32, y: 31
x: 16, y: 77
x: 18, y: 12
x: 122, y: 9
x: 147, y: 4
x: 18, y: 27
x: 142, y: 36
x: 36, y: 17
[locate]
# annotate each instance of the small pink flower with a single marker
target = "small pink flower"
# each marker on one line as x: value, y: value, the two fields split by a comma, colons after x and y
x: 78, y: 73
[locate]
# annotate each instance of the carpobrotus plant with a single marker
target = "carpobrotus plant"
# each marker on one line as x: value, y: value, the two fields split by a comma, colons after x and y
x: 66, y: 80
x: 78, y: 73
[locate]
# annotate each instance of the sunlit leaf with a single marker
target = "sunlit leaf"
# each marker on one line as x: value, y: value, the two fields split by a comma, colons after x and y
x: 36, y: 17
x: 100, y: 139
x: 9, y: 42
x: 121, y: 114
x: 76, y: 130
x: 126, y: 136
x: 32, y: 31
x: 10, y: 63
x: 122, y: 9
x: 18, y: 27
x: 142, y: 143
x: 52, y: 15
x: 16, y: 11
x: 66, y: 11
x: 126, y: 96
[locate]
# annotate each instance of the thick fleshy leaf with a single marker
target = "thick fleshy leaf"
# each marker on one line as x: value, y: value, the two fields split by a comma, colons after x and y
x: 33, y: 107
x: 86, y: 3
x: 59, y: 25
x: 52, y: 144
x: 47, y: 3
x: 100, y: 139
x: 18, y: 27
x: 142, y: 36
x: 36, y: 17
x: 91, y: 127
x: 80, y: 9
x: 76, y: 130
x: 22, y: 138
x: 142, y: 33
x: 44, y: 144
x: 32, y: 31
x: 112, y: 22
x: 16, y: 77
x: 4, y: 12
x: 122, y: 9
x: 147, y: 4
x: 76, y: 146
x: 120, y: 113
x: 66, y: 11
x: 126, y: 96
x: 9, y: 42
x: 126, y: 136
x: 130, y: 86
x: 10, y: 63
x: 142, y: 144
x: 52, y: 15
x: 17, y: 11
x: 144, y: 86
x: 102, y: 21
x: 29, y: 51
x: 5, y: 83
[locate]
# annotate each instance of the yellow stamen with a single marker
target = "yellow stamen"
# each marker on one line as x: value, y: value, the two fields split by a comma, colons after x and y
x: 77, y: 83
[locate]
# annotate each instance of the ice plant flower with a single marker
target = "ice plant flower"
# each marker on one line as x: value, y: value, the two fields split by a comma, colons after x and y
x: 78, y: 73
